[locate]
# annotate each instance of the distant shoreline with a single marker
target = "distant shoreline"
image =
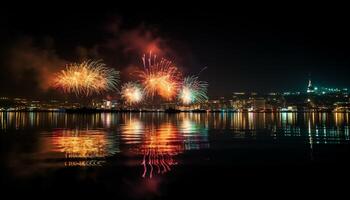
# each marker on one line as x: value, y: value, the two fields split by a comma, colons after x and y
x: 93, y: 111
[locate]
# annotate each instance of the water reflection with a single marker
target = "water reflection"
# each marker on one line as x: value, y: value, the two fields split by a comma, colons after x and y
x: 159, y: 149
x: 141, y: 153
x: 49, y: 120
x: 153, y: 140
x: 83, y: 147
x: 159, y: 142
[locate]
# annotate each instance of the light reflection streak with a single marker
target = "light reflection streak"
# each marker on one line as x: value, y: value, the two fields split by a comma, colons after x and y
x: 159, y: 151
x: 159, y: 137
x: 80, y: 147
x: 159, y: 143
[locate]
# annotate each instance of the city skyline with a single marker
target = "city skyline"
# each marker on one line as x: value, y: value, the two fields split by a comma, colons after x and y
x: 313, y: 98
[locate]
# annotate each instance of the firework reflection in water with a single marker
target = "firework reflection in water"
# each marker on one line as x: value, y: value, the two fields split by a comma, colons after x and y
x: 159, y: 150
x: 84, y: 147
x: 158, y: 147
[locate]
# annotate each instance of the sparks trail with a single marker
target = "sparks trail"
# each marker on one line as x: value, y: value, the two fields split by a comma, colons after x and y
x: 87, y: 78
x: 132, y: 92
x: 160, y: 76
x: 193, y: 90
x: 204, y: 68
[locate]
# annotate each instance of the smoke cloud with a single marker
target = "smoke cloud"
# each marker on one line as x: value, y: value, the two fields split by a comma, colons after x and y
x: 31, y: 63
x: 30, y: 66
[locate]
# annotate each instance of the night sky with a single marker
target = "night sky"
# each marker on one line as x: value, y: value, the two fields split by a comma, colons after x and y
x: 247, y: 49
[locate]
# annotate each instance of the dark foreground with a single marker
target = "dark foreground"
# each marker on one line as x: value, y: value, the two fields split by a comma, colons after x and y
x: 132, y: 156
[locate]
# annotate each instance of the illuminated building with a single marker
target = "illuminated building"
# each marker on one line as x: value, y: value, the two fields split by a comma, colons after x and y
x: 258, y: 104
x: 310, y: 88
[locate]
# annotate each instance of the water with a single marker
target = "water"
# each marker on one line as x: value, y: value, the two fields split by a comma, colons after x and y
x: 157, y: 155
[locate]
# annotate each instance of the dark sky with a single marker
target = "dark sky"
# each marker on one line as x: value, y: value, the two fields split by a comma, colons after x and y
x: 243, y: 49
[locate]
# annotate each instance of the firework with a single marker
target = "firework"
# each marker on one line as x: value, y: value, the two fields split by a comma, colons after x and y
x: 193, y: 90
x: 132, y: 92
x: 87, y: 78
x: 160, y: 77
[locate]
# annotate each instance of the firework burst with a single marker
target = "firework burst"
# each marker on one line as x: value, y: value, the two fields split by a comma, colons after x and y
x: 160, y: 77
x: 87, y: 78
x: 132, y: 92
x: 193, y: 90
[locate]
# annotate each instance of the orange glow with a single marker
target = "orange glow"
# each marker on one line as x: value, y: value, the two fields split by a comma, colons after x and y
x: 87, y: 78
x: 158, y: 148
x: 160, y: 77
x: 132, y: 93
x: 80, y: 146
x: 186, y: 96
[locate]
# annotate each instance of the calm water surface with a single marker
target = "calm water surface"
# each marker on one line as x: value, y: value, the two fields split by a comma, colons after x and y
x: 157, y: 155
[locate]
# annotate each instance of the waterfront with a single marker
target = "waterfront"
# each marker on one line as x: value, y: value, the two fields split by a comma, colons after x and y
x: 147, y: 155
